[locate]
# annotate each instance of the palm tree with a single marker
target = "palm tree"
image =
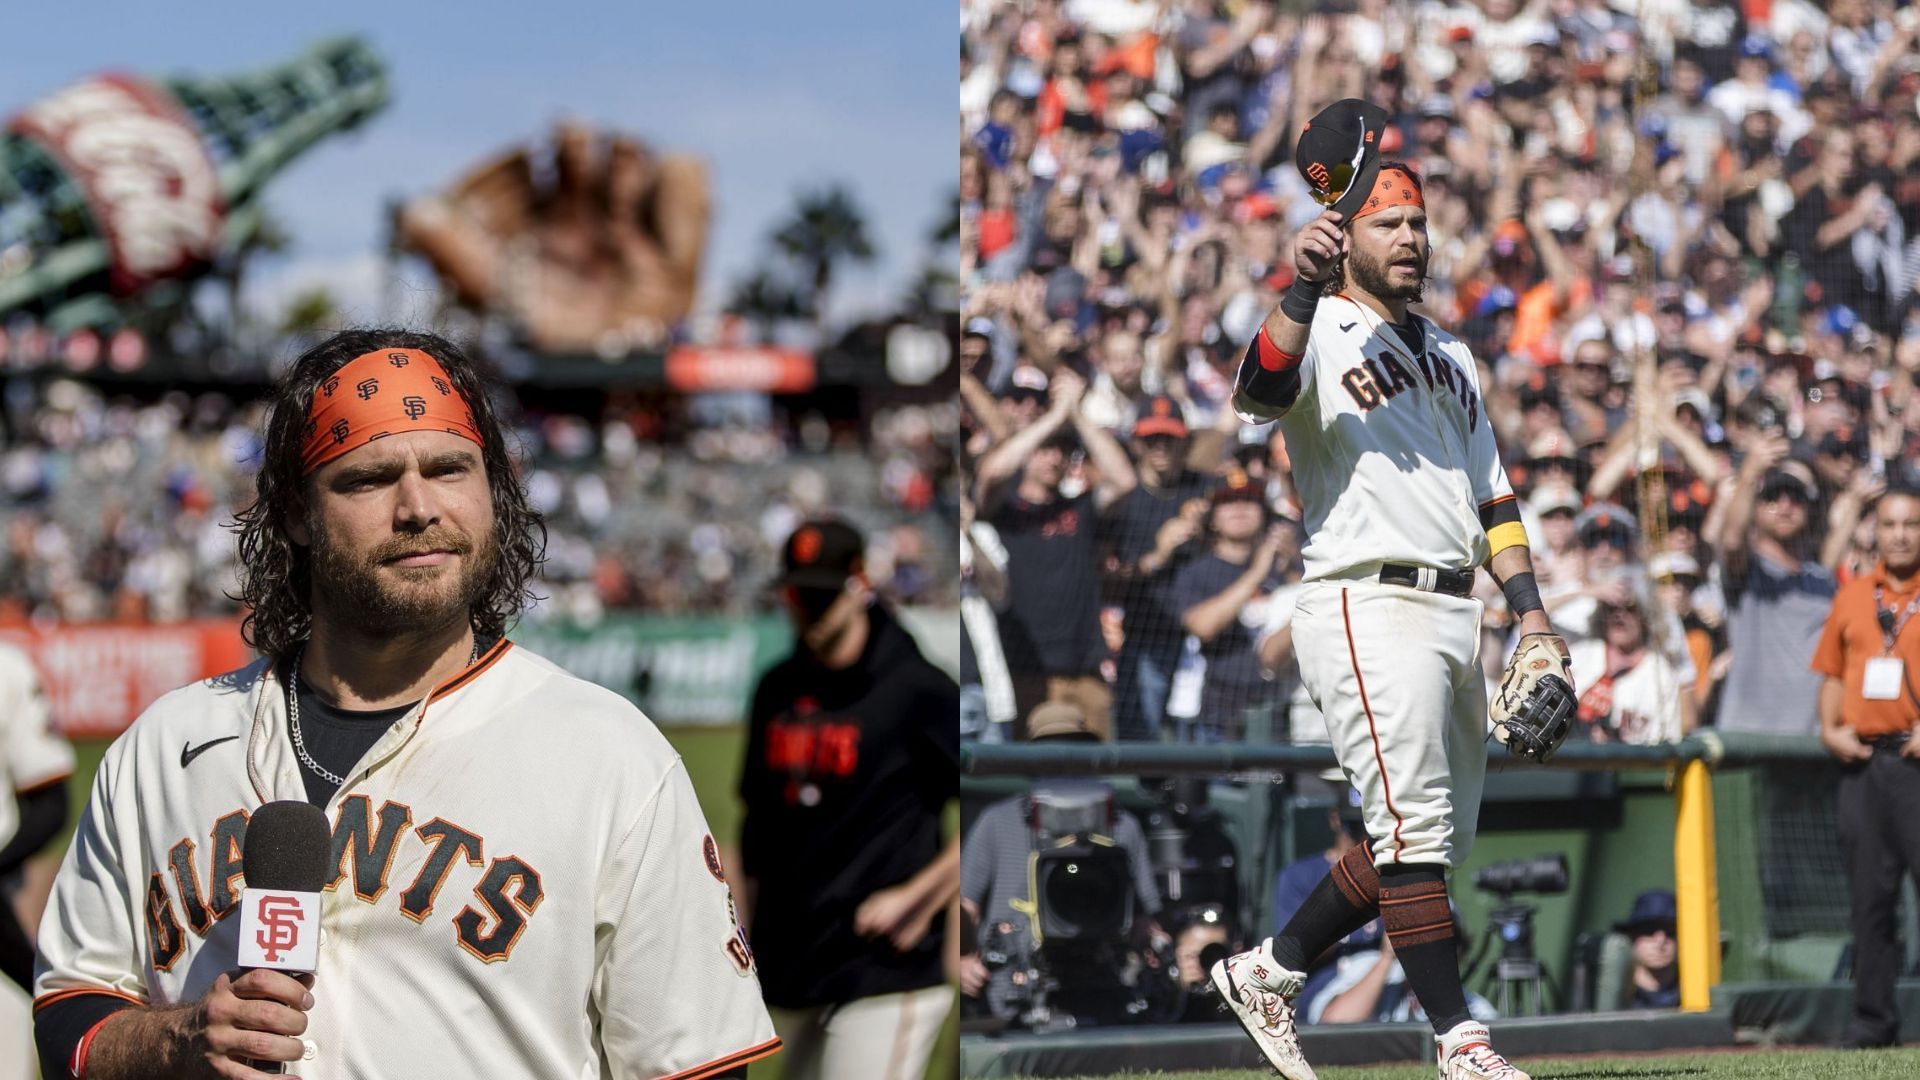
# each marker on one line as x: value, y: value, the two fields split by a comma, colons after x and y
x: 933, y: 294
x: 765, y: 300
x: 310, y: 310
x: 936, y: 291
x: 826, y: 229
x: 947, y: 229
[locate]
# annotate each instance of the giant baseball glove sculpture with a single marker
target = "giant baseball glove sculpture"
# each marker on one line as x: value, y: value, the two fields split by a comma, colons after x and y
x: 599, y: 251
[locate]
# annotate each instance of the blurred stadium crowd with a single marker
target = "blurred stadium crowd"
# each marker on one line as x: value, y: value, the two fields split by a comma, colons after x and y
x: 116, y: 507
x: 1681, y: 238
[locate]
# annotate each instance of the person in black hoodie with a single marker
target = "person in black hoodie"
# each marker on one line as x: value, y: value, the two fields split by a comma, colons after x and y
x: 852, y: 755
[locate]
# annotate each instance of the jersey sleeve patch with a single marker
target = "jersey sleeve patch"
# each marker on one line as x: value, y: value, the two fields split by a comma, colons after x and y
x: 711, y: 852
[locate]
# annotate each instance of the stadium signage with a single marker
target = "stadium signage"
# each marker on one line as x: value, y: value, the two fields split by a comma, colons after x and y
x: 153, y: 189
x: 695, y: 369
x: 99, y: 676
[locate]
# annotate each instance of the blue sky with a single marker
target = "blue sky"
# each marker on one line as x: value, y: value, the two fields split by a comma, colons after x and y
x: 777, y: 97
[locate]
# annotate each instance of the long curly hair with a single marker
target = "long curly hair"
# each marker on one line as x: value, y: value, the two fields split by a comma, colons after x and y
x: 275, y: 582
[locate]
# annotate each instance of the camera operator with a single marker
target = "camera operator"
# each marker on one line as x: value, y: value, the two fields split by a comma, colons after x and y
x: 997, y: 883
x: 1202, y: 934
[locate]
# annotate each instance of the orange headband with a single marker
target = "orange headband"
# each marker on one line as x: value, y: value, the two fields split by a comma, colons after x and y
x: 1396, y: 187
x: 379, y: 394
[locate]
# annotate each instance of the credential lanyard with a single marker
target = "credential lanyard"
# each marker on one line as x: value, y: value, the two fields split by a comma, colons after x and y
x: 1890, y: 627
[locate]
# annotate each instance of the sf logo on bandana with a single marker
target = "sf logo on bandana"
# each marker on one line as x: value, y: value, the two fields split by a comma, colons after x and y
x: 280, y: 919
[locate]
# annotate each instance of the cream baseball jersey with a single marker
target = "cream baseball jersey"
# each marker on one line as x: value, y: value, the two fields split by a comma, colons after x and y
x: 32, y: 753
x: 1393, y: 455
x: 523, y: 885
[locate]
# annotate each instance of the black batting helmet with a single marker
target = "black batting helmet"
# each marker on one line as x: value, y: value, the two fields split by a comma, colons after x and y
x: 1339, y: 154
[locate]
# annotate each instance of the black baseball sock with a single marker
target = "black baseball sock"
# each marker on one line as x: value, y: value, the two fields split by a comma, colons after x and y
x: 1345, y: 900
x: 1413, y: 904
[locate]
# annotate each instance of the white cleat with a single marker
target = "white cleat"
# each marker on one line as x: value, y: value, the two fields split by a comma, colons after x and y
x: 1259, y: 992
x: 1467, y: 1053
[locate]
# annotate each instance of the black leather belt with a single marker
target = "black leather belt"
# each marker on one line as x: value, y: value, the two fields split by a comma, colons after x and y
x: 1891, y: 743
x: 1427, y: 579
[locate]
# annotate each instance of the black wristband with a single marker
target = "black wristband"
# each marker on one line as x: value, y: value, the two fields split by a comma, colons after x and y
x: 1302, y: 297
x: 60, y: 1025
x: 1523, y: 594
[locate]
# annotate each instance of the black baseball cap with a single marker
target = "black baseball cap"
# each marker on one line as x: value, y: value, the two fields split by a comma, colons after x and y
x: 1238, y: 487
x: 1159, y: 415
x: 1783, y: 483
x: 1844, y: 442
x: 1339, y: 154
x: 822, y: 554
x: 1606, y: 522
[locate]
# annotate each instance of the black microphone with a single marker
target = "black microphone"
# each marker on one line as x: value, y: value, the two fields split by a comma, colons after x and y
x: 284, y: 857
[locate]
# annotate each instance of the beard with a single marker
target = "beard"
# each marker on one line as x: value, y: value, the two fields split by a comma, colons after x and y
x: 361, y: 591
x: 1373, y: 276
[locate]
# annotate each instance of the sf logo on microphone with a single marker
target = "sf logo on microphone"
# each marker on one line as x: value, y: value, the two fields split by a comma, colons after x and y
x: 280, y: 918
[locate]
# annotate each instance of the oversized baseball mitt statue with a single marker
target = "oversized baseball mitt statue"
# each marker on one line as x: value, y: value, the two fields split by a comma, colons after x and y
x: 594, y: 246
x: 1534, y: 708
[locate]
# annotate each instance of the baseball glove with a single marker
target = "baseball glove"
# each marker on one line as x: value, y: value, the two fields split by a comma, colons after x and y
x: 592, y: 243
x: 1534, y: 709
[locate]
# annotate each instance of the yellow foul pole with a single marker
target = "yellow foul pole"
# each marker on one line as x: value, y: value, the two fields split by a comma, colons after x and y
x: 1696, y: 888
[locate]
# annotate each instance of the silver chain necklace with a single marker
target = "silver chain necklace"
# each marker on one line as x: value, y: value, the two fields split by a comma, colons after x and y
x: 293, y: 715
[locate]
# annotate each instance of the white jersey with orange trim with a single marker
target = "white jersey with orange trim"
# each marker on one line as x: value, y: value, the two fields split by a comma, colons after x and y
x: 1395, y: 462
x: 33, y: 753
x: 523, y: 883
x: 1393, y: 455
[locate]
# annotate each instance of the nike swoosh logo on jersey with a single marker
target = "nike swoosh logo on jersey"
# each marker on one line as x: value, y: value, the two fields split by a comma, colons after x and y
x: 188, y: 751
x: 1346, y: 326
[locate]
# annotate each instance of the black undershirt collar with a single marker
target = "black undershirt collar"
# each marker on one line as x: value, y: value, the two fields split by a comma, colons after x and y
x: 338, y: 738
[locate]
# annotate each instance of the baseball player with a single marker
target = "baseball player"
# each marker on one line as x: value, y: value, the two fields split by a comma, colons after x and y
x: 522, y: 884
x: 1404, y: 495
x: 35, y: 760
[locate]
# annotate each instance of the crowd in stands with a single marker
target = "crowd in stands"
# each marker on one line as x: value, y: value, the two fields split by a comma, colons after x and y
x: 115, y: 507
x: 1682, y: 240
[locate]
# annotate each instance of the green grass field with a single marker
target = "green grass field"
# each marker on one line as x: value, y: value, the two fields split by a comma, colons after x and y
x: 1770, y: 1064
x: 713, y: 763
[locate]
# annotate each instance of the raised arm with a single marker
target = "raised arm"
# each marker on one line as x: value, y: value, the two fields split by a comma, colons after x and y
x: 1116, y: 468
x: 1848, y: 505
x: 1207, y: 59
x: 1003, y: 462
x: 1206, y: 619
x: 980, y: 403
x: 1272, y: 375
x: 1731, y: 543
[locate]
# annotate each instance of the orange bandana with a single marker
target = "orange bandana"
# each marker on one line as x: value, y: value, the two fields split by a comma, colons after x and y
x: 379, y: 394
x: 1396, y: 187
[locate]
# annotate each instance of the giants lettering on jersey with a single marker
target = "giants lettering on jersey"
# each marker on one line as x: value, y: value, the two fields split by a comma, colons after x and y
x: 1382, y: 377
x: 365, y: 844
x: 801, y: 743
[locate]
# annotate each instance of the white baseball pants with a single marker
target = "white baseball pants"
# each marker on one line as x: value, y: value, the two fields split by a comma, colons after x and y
x: 885, y: 1037
x: 1395, y: 672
